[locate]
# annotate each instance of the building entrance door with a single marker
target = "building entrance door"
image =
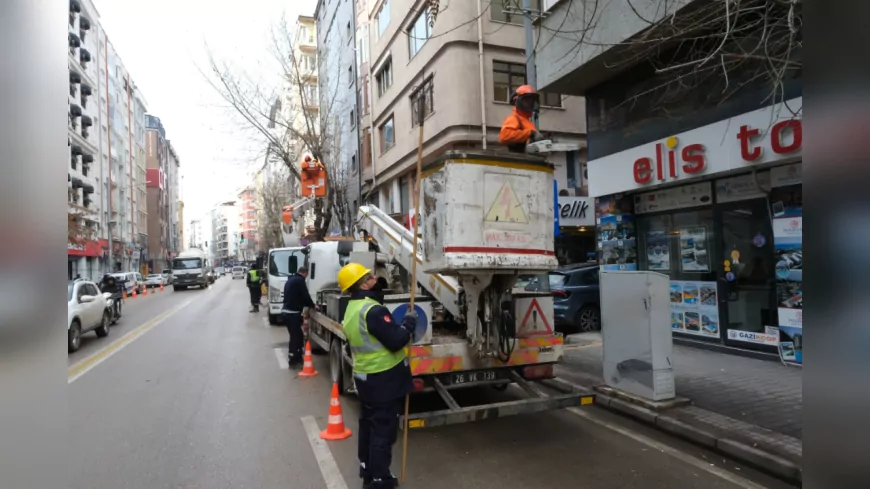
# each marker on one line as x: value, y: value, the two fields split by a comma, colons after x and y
x: 745, y: 271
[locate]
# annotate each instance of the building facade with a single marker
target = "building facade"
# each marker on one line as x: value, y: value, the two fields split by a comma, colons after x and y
x: 465, y: 77
x: 157, y: 184
x: 106, y: 208
x: 703, y: 188
x: 338, y: 77
x: 248, y: 223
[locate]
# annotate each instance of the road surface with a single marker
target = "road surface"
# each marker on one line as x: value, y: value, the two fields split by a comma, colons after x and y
x: 190, y: 390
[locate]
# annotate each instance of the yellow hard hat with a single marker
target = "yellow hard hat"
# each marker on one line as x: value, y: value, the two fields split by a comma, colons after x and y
x: 350, y: 274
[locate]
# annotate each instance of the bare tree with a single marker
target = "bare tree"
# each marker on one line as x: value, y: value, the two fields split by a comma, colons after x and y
x: 701, y: 52
x: 290, y: 116
x: 273, y: 196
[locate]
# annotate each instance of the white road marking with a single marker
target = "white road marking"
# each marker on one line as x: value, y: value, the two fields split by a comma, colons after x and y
x: 684, y: 457
x: 283, y: 361
x: 328, y: 467
x: 84, y: 366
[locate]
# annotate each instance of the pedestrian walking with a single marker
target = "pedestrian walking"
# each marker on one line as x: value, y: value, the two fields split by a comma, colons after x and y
x: 380, y: 368
x: 296, y: 298
x: 254, y: 280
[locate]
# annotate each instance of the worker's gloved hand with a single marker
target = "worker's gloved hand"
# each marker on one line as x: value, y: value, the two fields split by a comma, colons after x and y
x: 409, y: 322
x: 536, y: 136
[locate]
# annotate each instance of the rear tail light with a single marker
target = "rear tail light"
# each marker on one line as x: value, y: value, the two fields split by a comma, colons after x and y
x: 418, y: 385
x: 560, y: 293
x: 538, y: 372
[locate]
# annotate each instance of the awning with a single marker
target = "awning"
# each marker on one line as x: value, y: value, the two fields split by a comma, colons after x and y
x: 74, y: 40
x: 87, y: 159
x: 84, y: 23
x: 74, y: 77
x: 75, y: 110
x: 75, y: 6
x: 77, y: 182
x: 84, y: 55
x: 87, y: 90
x: 76, y: 150
x: 87, y: 121
x: 87, y: 188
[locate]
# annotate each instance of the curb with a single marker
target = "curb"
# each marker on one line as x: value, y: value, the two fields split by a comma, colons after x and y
x: 760, y: 459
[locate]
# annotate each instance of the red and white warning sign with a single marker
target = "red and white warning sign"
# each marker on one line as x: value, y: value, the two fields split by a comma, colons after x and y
x: 534, y: 320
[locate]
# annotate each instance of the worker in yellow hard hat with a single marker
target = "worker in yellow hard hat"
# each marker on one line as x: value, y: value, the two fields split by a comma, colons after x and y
x: 380, y: 368
x: 518, y: 129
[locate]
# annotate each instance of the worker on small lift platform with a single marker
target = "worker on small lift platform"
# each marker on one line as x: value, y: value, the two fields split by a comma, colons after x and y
x: 518, y: 130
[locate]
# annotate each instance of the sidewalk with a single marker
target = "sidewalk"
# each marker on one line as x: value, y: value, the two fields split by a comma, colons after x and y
x: 755, y: 403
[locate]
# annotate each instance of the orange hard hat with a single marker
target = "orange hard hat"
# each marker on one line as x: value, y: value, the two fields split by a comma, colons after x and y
x: 307, y: 158
x: 523, y: 90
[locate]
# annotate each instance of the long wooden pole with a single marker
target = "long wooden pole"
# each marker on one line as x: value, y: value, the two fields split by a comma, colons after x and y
x: 416, y: 224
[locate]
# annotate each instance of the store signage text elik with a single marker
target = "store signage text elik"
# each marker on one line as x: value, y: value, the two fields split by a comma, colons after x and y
x: 691, y: 161
x: 574, y: 210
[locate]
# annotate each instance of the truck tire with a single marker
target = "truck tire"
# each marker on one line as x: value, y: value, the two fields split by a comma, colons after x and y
x: 273, y: 319
x: 176, y: 288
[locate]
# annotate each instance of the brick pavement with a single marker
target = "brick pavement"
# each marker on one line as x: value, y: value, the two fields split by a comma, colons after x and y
x: 756, y: 392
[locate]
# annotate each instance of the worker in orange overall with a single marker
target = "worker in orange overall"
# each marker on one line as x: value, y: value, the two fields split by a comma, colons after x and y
x: 518, y: 130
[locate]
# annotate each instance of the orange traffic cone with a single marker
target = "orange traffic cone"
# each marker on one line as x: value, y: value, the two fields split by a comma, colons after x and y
x: 307, y: 365
x: 335, y: 429
x: 144, y: 289
x: 161, y: 286
x: 134, y: 293
x: 124, y: 293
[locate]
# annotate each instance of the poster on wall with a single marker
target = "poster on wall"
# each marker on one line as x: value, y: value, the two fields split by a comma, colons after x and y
x: 658, y: 251
x: 694, y: 308
x: 617, y: 239
x: 693, y: 249
x: 787, y: 210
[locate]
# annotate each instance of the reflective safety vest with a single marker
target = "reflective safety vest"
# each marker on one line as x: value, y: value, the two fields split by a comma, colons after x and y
x: 254, y: 275
x: 370, y: 356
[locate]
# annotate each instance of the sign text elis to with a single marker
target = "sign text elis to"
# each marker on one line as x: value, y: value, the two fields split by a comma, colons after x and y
x: 691, y: 161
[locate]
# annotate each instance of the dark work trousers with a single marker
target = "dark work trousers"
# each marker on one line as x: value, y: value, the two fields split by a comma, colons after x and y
x: 255, y: 295
x: 378, y: 429
x: 293, y: 321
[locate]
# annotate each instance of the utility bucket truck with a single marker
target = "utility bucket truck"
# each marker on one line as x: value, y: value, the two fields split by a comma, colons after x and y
x: 486, y: 219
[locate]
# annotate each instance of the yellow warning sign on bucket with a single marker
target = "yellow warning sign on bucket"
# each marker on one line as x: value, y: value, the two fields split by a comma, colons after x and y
x: 506, y: 207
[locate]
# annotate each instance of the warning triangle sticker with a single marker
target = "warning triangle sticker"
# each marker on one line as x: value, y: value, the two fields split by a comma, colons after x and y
x: 506, y: 207
x: 533, y: 317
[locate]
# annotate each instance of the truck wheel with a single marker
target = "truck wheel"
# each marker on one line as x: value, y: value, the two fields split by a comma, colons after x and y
x: 336, y: 366
x: 273, y: 319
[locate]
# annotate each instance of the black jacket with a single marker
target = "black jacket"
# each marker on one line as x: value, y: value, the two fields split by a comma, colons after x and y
x: 394, y: 383
x: 296, y: 296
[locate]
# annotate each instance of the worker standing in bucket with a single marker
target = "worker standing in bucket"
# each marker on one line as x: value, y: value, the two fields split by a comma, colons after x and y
x: 518, y: 130
x: 380, y: 368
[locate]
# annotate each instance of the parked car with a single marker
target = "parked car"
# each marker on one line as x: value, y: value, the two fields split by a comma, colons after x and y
x: 154, y: 280
x: 86, y: 310
x: 238, y: 272
x: 167, y: 276
x: 131, y: 280
x: 576, y: 303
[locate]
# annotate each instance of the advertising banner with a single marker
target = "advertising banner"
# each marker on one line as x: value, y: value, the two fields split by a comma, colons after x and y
x: 694, y: 308
x: 617, y: 240
x: 787, y: 211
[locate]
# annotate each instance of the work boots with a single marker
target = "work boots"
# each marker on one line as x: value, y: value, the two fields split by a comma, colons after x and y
x: 390, y: 483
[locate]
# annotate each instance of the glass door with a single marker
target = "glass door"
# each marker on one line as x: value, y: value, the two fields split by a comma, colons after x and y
x: 745, y: 272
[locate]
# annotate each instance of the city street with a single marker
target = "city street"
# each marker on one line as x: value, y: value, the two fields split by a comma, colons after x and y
x: 188, y: 391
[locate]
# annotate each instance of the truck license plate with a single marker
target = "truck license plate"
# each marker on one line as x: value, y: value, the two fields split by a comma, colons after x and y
x: 469, y: 377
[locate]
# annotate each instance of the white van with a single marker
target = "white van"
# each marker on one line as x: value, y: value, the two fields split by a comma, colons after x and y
x: 238, y: 272
x: 282, y: 263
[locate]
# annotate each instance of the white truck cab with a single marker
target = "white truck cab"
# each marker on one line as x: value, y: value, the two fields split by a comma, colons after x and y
x: 281, y: 264
x: 190, y: 269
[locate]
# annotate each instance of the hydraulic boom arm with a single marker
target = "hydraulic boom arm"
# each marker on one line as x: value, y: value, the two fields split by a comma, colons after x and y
x: 399, y: 242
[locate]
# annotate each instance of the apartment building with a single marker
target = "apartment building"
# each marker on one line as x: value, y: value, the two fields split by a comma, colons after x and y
x: 338, y: 70
x: 248, y: 222
x: 225, y: 232
x: 173, y: 189
x: 157, y: 184
x: 105, y: 208
x: 465, y: 71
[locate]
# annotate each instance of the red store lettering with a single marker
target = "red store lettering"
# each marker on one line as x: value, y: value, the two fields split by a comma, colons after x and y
x: 752, y: 153
x: 692, y: 157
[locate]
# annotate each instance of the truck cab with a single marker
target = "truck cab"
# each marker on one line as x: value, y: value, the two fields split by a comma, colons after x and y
x: 190, y: 269
x: 281, y: 264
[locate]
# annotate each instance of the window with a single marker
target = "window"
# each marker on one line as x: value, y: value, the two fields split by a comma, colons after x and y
x: 353, y: 165
x: 310, y: 93
x: 387, y: 135
x: 350, y: 75
x: 348, y: 31
x: 352, y: 119
x: 426, y: 91
x: 497, y: 10
x: 507, y: 77
x: 383, y: 17
x: 405, y: 195
x: 385, y: 78
x: 307, y: 64
x: 419, y: 32
x: 367, y: 148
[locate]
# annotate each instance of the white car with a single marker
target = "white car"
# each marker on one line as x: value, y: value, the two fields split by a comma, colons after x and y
x: 238, y: 272
x: 87, y: 310
x: 154, y: 280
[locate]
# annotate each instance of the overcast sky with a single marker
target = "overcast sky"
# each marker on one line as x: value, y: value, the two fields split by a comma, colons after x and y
x: 162, y: 44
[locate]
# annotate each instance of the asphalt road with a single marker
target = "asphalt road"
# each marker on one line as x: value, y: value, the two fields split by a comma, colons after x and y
x: 188, y: 391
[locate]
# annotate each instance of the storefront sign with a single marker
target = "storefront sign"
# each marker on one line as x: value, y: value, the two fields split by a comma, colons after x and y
x: 92, y: 248
x: 751, y: 337
x: 783, y: 176
x: 674, y: 198
x: 576, y: 211
x: 759, y: 137
x: 744, y: 187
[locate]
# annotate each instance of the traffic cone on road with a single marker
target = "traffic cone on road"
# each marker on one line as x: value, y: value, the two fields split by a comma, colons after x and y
x: 307, y: 364
x: 134, y: 293
x: 161, y: 286
x: 124, y: 294
x: 335, y: 429
x: 144, y: 290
